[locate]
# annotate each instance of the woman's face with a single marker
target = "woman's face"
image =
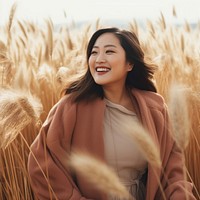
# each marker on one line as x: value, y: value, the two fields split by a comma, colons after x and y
x: 107, y: 61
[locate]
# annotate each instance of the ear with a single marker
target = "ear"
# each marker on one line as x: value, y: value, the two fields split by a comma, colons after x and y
x: 130, y: 66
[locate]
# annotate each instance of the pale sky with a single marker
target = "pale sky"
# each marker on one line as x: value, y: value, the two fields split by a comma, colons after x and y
x: 79, y: 10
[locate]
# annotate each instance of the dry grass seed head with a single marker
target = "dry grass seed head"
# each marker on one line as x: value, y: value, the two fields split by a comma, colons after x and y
x: 98, y: 174
x: 17, y: 111
x: 178, y: 110
x: 144, y: 141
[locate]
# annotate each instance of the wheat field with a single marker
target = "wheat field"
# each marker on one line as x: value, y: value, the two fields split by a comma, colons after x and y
x: 37, y: 61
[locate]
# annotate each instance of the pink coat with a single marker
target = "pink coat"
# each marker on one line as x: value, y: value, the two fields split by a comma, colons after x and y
x: 80, y: 126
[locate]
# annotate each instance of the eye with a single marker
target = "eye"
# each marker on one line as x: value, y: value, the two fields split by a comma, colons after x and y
x: 93, y: 52
x: 109, y: 51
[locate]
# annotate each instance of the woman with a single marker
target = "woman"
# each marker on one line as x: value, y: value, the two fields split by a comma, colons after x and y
x: 117, y: 87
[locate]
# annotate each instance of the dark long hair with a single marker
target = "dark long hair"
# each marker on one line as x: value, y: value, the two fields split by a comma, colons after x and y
x: 139, y: 77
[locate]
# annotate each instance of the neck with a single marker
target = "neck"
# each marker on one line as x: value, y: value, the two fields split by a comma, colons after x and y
x: 116, y: 95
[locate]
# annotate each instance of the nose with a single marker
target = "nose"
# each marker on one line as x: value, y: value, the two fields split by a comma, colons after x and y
x: 100, y: 58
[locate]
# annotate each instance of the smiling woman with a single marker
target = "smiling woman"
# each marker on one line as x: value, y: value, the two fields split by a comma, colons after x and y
x: 114, y: 114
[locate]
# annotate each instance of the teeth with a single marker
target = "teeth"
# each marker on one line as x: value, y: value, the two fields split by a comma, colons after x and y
x: 100, y: 69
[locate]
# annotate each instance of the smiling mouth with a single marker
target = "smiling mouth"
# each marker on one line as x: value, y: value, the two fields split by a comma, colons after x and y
x: 102, y: 69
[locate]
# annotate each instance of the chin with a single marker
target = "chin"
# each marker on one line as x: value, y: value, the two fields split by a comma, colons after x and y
x: 101, y: 82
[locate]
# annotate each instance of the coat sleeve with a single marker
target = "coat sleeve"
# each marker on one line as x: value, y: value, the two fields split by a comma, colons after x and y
x: 47, y: 162
x: 174, y: 180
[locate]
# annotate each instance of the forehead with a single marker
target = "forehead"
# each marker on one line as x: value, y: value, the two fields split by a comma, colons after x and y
x: 107, y: 38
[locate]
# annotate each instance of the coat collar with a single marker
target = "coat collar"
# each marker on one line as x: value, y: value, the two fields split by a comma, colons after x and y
x: 143, y: 111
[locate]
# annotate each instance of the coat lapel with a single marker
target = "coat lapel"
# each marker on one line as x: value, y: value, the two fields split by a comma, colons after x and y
x: 144, y: 112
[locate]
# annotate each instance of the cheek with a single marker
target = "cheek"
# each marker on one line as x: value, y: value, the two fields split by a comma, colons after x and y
x: 91, y: 64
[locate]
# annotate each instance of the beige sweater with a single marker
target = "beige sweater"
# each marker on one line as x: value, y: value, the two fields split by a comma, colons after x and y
x: 121, y: 152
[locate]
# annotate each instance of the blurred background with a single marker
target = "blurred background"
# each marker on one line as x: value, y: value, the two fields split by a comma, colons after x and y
x: 64, y: 11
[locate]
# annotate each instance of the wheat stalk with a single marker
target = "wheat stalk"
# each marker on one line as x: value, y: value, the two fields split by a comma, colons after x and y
x: 49, y: 42
x: 178, y: 110
x: 174, y: 12
x: 98, y: 174
x: 179, y: 116
x: 17, y: 111
x: 144, y: 141
x: 11, y: 17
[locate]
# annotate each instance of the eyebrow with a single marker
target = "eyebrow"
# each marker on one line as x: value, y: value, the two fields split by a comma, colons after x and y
x: 108, y: 45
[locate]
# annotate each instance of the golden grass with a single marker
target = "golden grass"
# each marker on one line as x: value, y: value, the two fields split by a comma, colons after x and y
x: 40, y: 60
